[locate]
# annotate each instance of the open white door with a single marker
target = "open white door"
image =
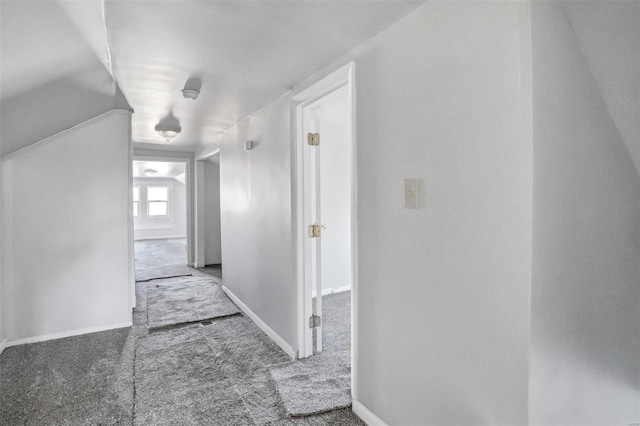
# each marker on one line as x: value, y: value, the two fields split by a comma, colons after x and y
x: 325, y: 203
x: 313, y: 220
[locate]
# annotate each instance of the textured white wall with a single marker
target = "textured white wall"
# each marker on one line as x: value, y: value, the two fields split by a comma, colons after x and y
x: 443, y: 296
x: 65, y: 232
x: 212, y: 250
x: 585, y: 329
x: 162, y: 227
x: 255, y: 210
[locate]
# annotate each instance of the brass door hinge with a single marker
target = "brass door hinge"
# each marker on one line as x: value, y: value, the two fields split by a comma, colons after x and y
x: 313, y: 139
x: 315, y: 321
x: 314, y: 231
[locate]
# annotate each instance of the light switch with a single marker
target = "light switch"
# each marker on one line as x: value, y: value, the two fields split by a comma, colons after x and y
x: 410, y: 190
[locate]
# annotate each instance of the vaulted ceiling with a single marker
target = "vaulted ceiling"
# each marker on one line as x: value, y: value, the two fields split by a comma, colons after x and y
x: 609, y: 35
x: 241, y: 54
x: 63, y: 62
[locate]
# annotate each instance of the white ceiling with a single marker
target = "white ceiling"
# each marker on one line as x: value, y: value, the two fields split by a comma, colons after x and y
x: 244, y: 53
x: 165, y: 169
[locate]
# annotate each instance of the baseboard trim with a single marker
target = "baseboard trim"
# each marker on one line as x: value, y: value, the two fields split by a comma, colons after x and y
x: 327, y: 291
x: 63, y: 334
x: 3, y: 344
x: 366, y: 415
x: 263, y: 326
x: 160, y: 238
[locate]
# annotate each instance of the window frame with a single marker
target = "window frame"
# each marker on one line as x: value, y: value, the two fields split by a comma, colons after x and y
x: 167, y: 201
x: 136, y: 203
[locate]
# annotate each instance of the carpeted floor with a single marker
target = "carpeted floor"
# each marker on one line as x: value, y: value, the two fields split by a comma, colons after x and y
x: 322, y: 382
x: 83, y: 380
x: 185, y: 300
x: 164, y: 258
x: 215, y: 372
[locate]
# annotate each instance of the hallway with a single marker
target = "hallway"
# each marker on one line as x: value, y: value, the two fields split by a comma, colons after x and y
x: 210, y: 372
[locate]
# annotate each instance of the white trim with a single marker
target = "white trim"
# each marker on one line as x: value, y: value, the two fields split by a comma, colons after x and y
x: 263, y: 326
x: 209, y: 154
x: 158, y: 238
x: 344, y: 75
x: 3, y: 344
x: 188, y: 159
x: 70, y: 333
x: 66, y: 132
x: 200, y: 216
x: 366, y: 415
x: 130, y: 220
x: 325, y: 85
x: 327, y: 291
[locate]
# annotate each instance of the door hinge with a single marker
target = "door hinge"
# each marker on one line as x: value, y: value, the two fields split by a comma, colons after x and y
x: 314, y: 231
x: 313, y: 139
x: 315, y: 321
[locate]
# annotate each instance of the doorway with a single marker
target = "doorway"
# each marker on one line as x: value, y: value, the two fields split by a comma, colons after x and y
x: 160, y: 219
x: 326, y: 216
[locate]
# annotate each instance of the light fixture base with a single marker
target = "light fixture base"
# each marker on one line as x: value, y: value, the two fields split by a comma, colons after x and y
x: 190, y: 93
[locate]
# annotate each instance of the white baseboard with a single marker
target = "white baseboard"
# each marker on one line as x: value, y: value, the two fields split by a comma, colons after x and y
x: 3, y: 344
x: 326, y: 291
x: 63, y: 334
x: 159, y: 238
x: 366, y: 415
x: 263, y: 326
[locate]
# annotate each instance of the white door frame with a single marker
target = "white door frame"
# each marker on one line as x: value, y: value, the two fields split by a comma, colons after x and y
x: 189, y: 191
x: 343, y: 76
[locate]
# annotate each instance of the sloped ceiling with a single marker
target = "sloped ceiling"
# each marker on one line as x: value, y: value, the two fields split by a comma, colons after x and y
x: 53, y: 69
x: 243, y: 54
x: 60, y: 60
x: 609, y: 35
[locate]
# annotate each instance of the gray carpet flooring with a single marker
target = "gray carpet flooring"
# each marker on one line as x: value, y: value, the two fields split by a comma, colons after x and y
x: 314, y: 385
x: 83, y: 380
x: 322, y: 382
x: 158, y: 272
x: 165, y: 258
x: 186, y: 300
x: 210, y: 373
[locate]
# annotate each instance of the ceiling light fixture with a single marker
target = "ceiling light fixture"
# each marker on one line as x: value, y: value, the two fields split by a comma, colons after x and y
x: 149, y: 172
x: 168, y: 127
x: 190, y: 93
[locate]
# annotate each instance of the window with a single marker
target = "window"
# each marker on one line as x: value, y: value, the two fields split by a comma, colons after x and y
x: 136, y: 201
x: 157, y: 201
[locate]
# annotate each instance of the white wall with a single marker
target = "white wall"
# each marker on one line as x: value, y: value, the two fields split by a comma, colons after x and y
x: 444, y: 290
x: 2, y: 338
x: 173, y: 226
x: 585, y: 329
x: 213, y: 249
x: 332, y: 113
x: 65, y: 233
x: 443, y: 95
x: 443, y: 296
x: 255, y: 213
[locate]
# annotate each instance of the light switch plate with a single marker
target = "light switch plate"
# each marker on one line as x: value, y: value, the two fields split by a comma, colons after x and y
x: 410, y: 193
